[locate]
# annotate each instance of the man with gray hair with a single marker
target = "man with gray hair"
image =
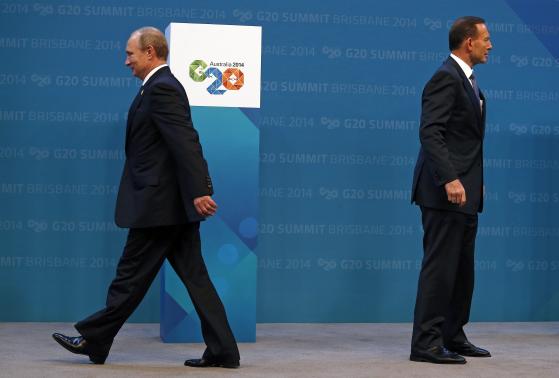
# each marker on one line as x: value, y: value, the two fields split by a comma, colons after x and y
x: 165, y: 191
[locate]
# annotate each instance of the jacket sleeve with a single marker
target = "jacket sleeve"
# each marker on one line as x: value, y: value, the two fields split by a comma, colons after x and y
x: 170, y: 112
x: 437, y: 103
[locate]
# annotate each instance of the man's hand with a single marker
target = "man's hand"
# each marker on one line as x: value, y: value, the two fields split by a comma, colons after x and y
x: 455, y: 192
x: 205, y: 206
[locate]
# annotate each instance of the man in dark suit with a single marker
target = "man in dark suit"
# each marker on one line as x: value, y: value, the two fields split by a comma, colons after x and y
x: 448, y: 187
x: 164, y: 193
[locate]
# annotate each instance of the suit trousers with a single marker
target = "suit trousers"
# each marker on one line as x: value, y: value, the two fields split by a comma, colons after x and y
x: 446, y: 280
x: 144, y: 253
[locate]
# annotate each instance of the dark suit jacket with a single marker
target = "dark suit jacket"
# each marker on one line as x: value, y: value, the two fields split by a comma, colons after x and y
x: 164, y: 168
x: 451, y: 134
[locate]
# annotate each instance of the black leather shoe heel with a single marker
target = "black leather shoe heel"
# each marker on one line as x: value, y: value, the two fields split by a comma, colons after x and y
x: 98, y: 359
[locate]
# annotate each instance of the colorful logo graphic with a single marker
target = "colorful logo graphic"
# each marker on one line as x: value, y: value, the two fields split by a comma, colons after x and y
x: 231, y: 79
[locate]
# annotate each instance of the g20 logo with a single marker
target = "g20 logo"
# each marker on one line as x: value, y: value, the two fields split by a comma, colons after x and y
x: 232, y: 78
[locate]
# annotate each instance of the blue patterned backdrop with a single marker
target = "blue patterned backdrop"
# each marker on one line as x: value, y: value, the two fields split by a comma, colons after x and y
x: 338, y: 240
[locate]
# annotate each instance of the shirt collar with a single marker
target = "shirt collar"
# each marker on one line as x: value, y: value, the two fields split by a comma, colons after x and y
x: 468, y: 71
x: 152, y: 72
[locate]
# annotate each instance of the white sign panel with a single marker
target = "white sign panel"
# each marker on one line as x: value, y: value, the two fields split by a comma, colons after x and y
x: 218, y: 65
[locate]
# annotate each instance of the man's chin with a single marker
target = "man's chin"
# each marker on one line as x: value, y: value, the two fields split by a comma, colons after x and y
x: 483, y: 60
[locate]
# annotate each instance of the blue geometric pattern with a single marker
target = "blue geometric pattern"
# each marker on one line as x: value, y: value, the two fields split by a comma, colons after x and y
x: 230, y: 143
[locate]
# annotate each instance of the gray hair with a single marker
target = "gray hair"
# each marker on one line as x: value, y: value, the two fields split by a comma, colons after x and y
x: 150, y: 36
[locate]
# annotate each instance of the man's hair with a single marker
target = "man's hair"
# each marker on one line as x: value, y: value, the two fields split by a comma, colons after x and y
x: 150, y: 36
x: 462, y: 29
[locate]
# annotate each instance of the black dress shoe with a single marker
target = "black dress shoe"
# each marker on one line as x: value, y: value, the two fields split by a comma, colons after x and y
x: 96, y: 353
x: 469, y: 349
x: 202, y: 362
x: 437, y: 355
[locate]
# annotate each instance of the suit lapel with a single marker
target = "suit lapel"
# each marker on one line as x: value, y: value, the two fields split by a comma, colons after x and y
x: 470, y: 91
x: 472, y: 95
x: 482, y: 113
x: 131, y: 113
x: 137, y: 101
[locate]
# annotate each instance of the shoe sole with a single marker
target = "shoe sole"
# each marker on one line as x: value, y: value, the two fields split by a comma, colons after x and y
x: 97, y: 360
x: 217, y: 364
x: 225, y: 366
x: 474, y: 356
x: 422, y: 359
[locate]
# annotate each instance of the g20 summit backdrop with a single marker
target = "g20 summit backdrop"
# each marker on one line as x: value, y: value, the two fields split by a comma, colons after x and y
x: 216, y: 89
x: 338, y: 240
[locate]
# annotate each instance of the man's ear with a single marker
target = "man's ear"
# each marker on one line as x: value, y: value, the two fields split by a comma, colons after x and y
x: 469, y: 43
x: 150, y: 51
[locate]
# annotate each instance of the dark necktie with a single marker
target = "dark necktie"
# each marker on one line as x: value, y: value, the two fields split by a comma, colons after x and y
x: 136, y: 100
x: 475, y: 87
